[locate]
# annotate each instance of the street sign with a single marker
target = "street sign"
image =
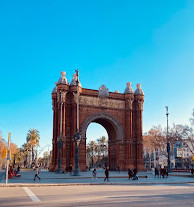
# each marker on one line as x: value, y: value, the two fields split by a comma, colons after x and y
x: 179, y: 152
x: 4, y: 153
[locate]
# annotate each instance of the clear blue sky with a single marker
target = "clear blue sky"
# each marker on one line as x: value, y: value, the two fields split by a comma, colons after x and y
x: 111, y: 42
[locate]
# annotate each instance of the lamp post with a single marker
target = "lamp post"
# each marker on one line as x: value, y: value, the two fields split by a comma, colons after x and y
x: 60, y: 143
x: 168, y: 144
x: 77, y: 137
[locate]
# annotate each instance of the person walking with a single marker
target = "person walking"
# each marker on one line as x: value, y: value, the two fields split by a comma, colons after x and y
x: 18, y: 169
x: 94, y: 174
x: 156, y: 172
x: 70, y: 169
x: 130, y: 173
x: 36, y: 171
x: 106, y: 174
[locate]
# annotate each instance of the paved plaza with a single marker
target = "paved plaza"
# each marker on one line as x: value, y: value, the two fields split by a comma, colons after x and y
x: 66, y: 190
x: 86, y: 178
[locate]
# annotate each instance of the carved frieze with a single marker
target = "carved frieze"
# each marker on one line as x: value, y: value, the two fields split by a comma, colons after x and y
x: 100, y: 102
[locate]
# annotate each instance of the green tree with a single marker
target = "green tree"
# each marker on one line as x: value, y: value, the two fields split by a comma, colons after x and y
x: 103, y: 147
x: 33, y: 138
x: 3, y: 146
x: 92, y: 148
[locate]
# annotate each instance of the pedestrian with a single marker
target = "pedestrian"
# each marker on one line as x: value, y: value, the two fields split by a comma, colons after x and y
x: 94, y: 174
x: 161, y: 172
x: 11, y: 168
x: 166, y: 172
x: 135, y: 177
x: 36, y: 171
x: 135, y: 171
x: 156, y: 172
x: 192, y: 171
x: 18, y: 169
x: 66, y: 170
x: 118, y: 169
x: 106, y: 174
x: 130, y: 173
x: 70, y: 169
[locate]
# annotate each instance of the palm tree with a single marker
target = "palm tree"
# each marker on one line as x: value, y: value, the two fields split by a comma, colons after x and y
x: 102, y: 141
x: 92, y: 148
x: 33, y: 138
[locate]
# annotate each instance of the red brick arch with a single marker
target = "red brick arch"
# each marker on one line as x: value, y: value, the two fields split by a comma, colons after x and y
x: 114, y: 130
x: 120, y: 114
x: 104, y: 119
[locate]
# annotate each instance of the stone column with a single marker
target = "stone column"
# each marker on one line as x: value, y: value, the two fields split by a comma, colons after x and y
x: 140, y: 161
x: 61, y: 89
x: 73, y: 129
x: 63, y: 160
x: 134, y: 135
x: 128, y: 129
x: 54, y: 140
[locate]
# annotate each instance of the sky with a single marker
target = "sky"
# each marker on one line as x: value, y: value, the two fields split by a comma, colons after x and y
x: 111, y: 42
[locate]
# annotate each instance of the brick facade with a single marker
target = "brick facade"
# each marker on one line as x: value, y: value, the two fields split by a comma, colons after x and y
x: 120, y: 114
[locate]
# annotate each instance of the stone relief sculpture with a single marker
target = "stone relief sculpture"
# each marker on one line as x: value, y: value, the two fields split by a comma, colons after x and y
x: 103, y: 92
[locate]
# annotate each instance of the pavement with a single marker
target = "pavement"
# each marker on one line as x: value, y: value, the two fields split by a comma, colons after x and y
x: 55, y: 189
x: 99, y: 196
x: 85, y: 178
x: 1, y: 175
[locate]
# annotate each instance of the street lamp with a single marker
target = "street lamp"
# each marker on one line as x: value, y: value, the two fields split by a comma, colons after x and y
x: 77, y: 136
x: 60, y: 143
x: 168, y: 144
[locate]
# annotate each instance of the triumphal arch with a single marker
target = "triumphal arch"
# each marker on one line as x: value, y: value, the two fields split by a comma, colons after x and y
x: 119, y: 113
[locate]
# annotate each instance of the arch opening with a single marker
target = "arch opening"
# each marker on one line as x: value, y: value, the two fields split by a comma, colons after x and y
x: 96, y: 146
x: 114, y: 132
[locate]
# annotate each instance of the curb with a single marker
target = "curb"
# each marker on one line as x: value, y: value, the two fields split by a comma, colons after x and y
x: 77, y: 184
x: 177, y: 175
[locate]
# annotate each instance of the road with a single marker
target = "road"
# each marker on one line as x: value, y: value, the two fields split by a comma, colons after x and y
x: 99, y: 195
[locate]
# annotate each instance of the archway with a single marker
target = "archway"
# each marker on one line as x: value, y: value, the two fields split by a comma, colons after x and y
x: 115, y: 135
x: 96, y: 146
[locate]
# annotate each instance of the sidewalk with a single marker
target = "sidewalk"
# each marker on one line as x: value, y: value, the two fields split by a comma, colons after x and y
x: 2, y: 173
x: 85, y: 178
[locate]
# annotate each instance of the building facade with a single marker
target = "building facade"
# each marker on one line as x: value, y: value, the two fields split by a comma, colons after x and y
x: 119, y: 113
